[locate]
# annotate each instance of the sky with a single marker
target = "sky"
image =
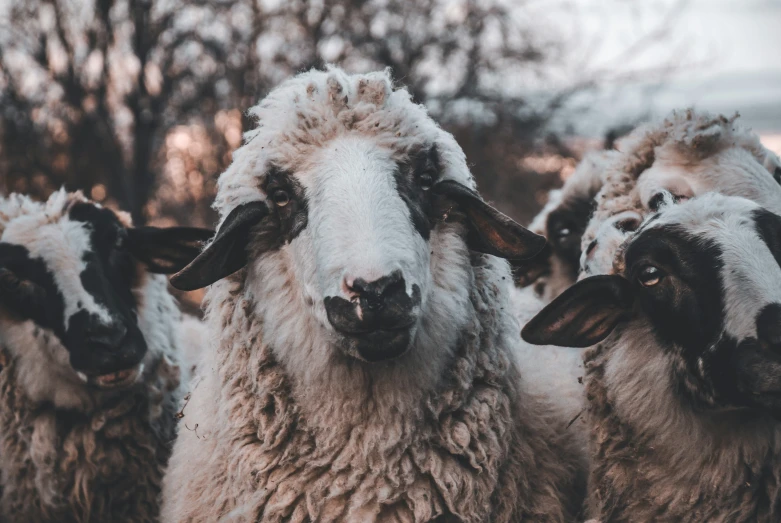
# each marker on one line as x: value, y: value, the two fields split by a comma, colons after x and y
x: 719, y: 55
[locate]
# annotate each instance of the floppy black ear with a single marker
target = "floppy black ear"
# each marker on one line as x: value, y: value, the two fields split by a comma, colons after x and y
x: 583, y: 315
x: 490, y: 231
x: 166, y: 250
x: 227, y: 253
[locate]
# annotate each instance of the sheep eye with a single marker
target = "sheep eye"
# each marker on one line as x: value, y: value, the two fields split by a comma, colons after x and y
x: 9, y: 281
x: 426, y: 182
x: 280, y: 197
x: 650, y: 276
x: 562, y: 233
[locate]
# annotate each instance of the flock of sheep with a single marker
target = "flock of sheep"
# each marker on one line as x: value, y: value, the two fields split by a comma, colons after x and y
x: 370, y: 348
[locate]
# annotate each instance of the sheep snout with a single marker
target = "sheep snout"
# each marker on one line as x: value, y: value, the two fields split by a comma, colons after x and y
x: 377, y: 321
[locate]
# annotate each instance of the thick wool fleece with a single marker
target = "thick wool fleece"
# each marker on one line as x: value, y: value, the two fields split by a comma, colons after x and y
x: 688, y: 153
x: 475, y: 448
x: 71, y: 453
x: 281, y: 427
x: 102, y: 464
x: 655, y: 459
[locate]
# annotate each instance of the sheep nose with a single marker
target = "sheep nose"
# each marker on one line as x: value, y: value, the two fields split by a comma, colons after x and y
x: 769, y: 326
x: 106, y: 336
x: 375, y: 294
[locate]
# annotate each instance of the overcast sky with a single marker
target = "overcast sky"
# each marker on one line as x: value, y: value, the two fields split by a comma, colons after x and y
x: 725, y: 56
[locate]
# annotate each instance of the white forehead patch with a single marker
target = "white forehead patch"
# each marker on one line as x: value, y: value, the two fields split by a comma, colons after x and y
x: 360, y: 225
x: 61, y: 245
x: 751, y: 276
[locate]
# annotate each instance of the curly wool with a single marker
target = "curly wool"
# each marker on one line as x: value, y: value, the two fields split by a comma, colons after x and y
x: 105, y: 464
x: 69, y: 453
x: 279, y: 428
x: 654, y: 459
x: 475, y: 449
x: 688, y: 153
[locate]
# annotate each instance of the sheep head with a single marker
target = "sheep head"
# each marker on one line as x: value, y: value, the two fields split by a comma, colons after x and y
x: 72, y: 268
x: 704, y: 277
x: 363, y: 206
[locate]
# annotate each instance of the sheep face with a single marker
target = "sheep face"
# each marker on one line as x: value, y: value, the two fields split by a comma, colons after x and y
x: 599, y: 255
x: 563, y: 221
x: 71, y: 272
x: 370, y: 240
x: 704, y: 276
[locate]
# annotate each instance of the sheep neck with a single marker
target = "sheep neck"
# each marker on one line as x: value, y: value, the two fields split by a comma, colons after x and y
x: 100, y: 464
x: 451, y: 451
x: 655, y: 457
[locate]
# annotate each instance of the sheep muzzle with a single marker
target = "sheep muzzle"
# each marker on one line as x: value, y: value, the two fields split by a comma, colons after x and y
x: 372, y: 330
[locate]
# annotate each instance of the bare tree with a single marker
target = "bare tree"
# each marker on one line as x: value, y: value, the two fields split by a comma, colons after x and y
x: 141, y: 102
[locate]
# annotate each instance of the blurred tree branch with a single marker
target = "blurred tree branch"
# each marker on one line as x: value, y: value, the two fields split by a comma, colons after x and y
x: 135, y: 101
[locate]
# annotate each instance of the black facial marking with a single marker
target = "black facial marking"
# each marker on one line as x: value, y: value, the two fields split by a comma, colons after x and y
x: 28, y: 290
x: 686, y: 306
x: 110, y: 271
x: 566, y: 225
x: 289, y: 208
x: 109, y: 276
x: 777, y: 175
x: 414, y: 178
x: 657, y: 200
x: 769, y: 327
x: 768, y: 226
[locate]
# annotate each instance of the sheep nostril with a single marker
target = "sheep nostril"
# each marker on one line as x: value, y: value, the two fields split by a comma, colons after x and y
x: 374, y: 294
x: 591, y: 247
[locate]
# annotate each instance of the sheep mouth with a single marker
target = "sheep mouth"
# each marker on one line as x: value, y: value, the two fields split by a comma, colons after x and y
x: 114, y: 380
x: 378, y: 345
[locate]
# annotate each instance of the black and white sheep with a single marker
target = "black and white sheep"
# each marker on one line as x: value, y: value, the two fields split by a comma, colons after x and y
x: 364, y: 368
x: 684, y: 385
x: 88, y: 342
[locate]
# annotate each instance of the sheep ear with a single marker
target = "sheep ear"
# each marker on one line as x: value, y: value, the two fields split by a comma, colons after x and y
x: 490, y: 231
x: 227, y: 253
x: 166, y: 250
x: 583, y: 315
x: 526, y: 272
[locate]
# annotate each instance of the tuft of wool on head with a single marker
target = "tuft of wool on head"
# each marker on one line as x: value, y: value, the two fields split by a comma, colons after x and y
x: 315, y: 107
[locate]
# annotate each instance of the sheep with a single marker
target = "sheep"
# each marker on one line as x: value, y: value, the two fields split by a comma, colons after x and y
x: 684, y: 381
x: 90, y: 377
x: 687, y: 154
x: 562, y: 221
x: 364, y: 363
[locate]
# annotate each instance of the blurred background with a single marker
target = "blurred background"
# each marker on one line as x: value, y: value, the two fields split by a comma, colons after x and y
x: 140, y: 103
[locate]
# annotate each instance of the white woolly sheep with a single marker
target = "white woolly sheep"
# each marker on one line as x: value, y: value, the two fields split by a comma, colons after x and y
x: 688, y: 154
x: 684, y: 394
x: 364, y: 367
x: 89, y: 378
